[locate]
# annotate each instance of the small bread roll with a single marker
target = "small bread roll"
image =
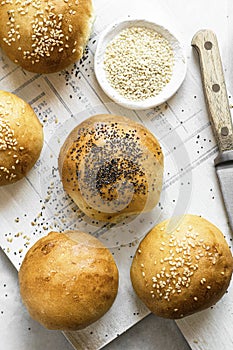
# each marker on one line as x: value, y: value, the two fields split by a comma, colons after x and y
x: 68, y: 280
x: 177, y: 272
x: 45, y: 36
x: 112, y: 167
x: 21, y: 138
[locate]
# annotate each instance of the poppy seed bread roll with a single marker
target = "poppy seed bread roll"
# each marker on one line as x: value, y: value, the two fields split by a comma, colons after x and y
x: 21, y: 138
x: 179, y: 271
x: 45, y: 36
x: 112, y: 167
x: 68, y: 280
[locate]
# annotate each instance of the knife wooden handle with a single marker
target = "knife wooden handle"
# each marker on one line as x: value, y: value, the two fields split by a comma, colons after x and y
x: 205, y: 42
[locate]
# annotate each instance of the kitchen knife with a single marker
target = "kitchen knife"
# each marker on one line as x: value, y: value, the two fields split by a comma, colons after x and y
x: 205, y: 42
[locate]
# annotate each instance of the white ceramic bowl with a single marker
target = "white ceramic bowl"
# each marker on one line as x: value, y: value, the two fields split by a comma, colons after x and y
x: 179, y: 69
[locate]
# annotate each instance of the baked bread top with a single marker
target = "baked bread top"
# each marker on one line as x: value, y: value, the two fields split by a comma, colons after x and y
x: 45, y: 36
x: 68, y: 280
x: 180, y: 270
x: 21, y: 138
x: 112, y: 167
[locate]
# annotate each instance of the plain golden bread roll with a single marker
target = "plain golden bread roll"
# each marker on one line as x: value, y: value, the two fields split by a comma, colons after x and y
x: 112, y: 167
x: 45, y: 36
x: 181, y: 271
x: 68, y: 280
x: 21, y: 138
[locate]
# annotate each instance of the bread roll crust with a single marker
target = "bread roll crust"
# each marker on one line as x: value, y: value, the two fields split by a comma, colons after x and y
x: 68, y: 280
x: 184, y: 271
x: 21, y: 138
x: 112, y: 167
x: 45, y: 36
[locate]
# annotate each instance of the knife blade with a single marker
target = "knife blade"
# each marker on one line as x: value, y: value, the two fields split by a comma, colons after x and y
x: 206, y: 44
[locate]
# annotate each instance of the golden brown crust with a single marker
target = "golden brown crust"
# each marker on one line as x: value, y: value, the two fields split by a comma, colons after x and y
x: 184, y: 270
x: 21, y: 138
x: 45, y: 36
x: 68, y: 280
x: 112, y: 167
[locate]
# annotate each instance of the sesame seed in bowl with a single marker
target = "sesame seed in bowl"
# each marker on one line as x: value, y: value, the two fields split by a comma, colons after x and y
x: 139, y: 64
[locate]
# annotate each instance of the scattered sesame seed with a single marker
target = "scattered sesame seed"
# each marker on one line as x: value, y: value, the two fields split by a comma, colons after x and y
x: 195, y: 299
x: 7, y: 143
x: 182, y: 263
x: 46, y: 28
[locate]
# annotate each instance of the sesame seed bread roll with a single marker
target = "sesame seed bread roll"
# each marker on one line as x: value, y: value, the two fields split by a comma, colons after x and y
x: 112, y: 167
x: 21, y: 138
x: 45, y: 36
x: 68, y: 280
x: 177, y: 273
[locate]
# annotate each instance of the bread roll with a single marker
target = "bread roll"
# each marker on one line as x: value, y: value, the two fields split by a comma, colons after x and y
x: 68, y: 280
x: 45, y: 36
x: 177, y: 273
x: 21, y: 138
x: 112, y: 167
